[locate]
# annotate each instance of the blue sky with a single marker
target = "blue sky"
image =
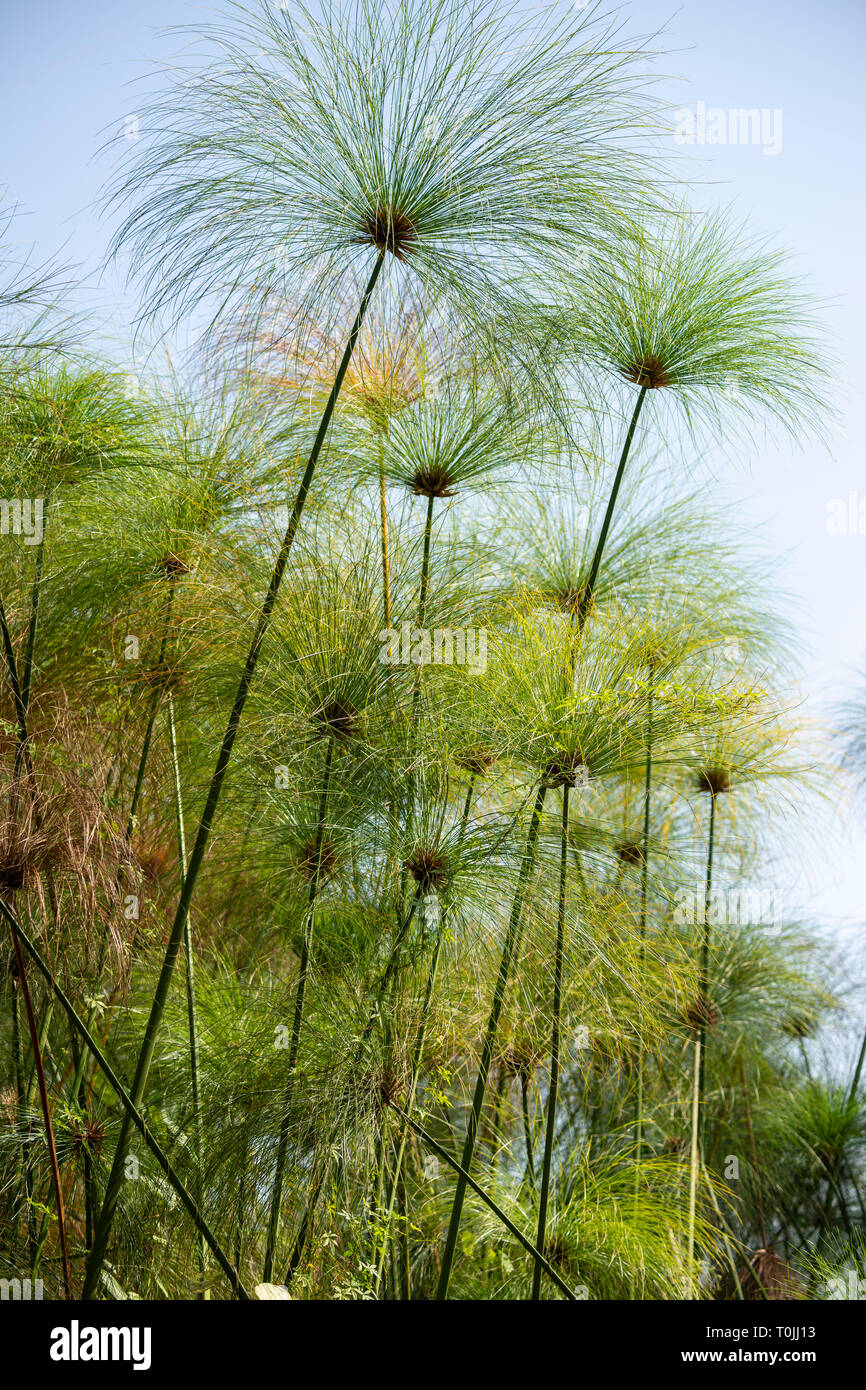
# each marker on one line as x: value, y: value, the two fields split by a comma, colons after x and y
x: 69, y: 85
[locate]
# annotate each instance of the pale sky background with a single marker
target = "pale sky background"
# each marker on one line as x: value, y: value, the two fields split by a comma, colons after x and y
x: 67, y: 74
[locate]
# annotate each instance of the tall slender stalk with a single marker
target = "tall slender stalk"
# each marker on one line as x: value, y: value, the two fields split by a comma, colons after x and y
x: 21, y: 686
x: 700, y: 1040
x: 554, y: 1048
x: 417, y: 1053
x: 46, y: 1114
x: 425, y: 562
x: 138, y: 787
x: 468, y: 1181
x: 418, y: 1048
x: 24, y: 1122
x: 374, y: 1014
x: 191, y: 1010
x: 644, y: 883
x: 383, y: 524
x: 423, y: 590
x: 282, y: 1150
x: 527, y: 1125
x: 583, y: 608
x: 837, y: 1162
x: 694, y: 1148
x: 858, y: 1070
x: 304, y: 1229
x: 22, y: 742
x: 142, y: 1071
x: 23, y: 761
x: 21, y: 1090
x: 27, y: 673
x: 753, y: 1150
x: 151, y: 719
x: 131, y: 1110
x: 416, y: 686
x: 508, y: 950
x: 589, y: 588
x: 705, y: 956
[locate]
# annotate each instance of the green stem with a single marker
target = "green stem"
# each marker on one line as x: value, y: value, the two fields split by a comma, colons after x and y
x: 24, y: 1122
x: 383, y: 520
x: 589, y: 587
x: 705, y: 963
x: 191, y: 1009
x: 729, y: 1252
x: 22, y: 755
x: 22, y: 743
x: 644, y: 883
x: 422, y: 1029
x: 132, y: 1111
x: 855, y: 1080
x: 142, y: 1071
x: 304, y: 1228
x: 527, y: 1127
x: 133, y: 810
x: 425, y: 563
x: 554, y: 1049
x: 277, y: 1191
x: 44, y: 1029
x: 465, y: 1178
x: 21, y: 696
x: 694, y: 1149
x: 375, y: 1012
x: 151, y: 719
x: 498, y: 1102
x: 700, y: 1040
x: 753, y: 1150
x: 35, y: 596
x: 405, y: 1266
x: 508, y: 950
x: 416, y: 688
x: 46, y: 1114
x: 413, y: 1084
x: 833, y: 1184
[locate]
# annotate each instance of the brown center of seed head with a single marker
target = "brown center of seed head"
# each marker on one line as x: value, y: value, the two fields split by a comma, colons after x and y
x: 701, y: 1013
x: 477, y: 761
x: 389, y: 1087
x: 87, y: 1139
x: 317, y: 859
x: 565, y: 770
x: 173, y: 566
x: 648, y: 371
x: 518, y: 1060
x: 630, y: 853
x: 715, y: 780
x: 338, y: 718
x: 433, y: 480
x: 428, y: 867
x: 390, y: 230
